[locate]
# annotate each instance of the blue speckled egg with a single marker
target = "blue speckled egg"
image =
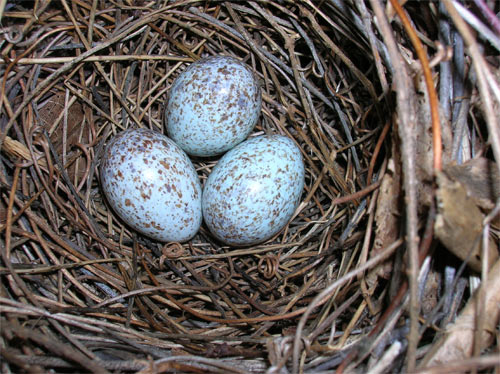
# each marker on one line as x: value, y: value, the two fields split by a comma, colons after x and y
x: 253, y: 190
x: 213, y: 105
x: 152, y: 185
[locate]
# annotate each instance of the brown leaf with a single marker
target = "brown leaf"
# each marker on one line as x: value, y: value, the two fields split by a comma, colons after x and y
x: 480, y: 178
x: 49, y: 113
x: 458, y: 341
x: 52, y: 110
x: 459, y: 223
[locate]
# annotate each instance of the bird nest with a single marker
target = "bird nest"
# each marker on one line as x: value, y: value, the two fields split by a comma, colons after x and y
x: 396, y: 114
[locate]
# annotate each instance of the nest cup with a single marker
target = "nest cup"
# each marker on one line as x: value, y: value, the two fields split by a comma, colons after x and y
x: 82, y: 291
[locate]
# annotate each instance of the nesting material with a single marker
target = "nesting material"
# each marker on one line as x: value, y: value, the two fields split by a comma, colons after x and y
x: 378, y: 97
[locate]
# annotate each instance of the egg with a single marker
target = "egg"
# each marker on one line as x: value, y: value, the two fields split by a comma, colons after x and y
x: 254, y: 189
x: 152, y: 185
x: 213, y: 105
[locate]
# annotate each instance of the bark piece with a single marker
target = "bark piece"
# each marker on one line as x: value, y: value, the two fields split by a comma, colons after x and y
x: 387, y: 217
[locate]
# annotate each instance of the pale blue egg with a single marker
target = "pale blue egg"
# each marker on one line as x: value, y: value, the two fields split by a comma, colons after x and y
x: 254, y: 189
x: 213, y: 105
x: 152, y: 185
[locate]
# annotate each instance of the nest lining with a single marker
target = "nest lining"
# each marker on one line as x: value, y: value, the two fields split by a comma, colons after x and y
x: 83, y: 72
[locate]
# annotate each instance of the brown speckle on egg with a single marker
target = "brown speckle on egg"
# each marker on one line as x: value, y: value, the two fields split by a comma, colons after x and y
x: 145, y: 191
x: 253, y: 190
x: 213, y: 105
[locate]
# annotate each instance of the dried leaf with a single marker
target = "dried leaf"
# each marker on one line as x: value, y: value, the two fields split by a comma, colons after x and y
x: 49, y: 113
x: 459, y: 223
x: 458, y: 341
x: 52, y: 110
x: 480, y: 178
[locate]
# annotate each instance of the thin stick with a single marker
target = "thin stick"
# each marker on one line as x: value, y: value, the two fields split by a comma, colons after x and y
x: 40, y: 269
x: 483, y: 77
x: 406, y: 129
x: 63, y: 60
x: 8, y: 223
x: 69, y: 65
x: 431, y: 90
x: 328, y: 291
